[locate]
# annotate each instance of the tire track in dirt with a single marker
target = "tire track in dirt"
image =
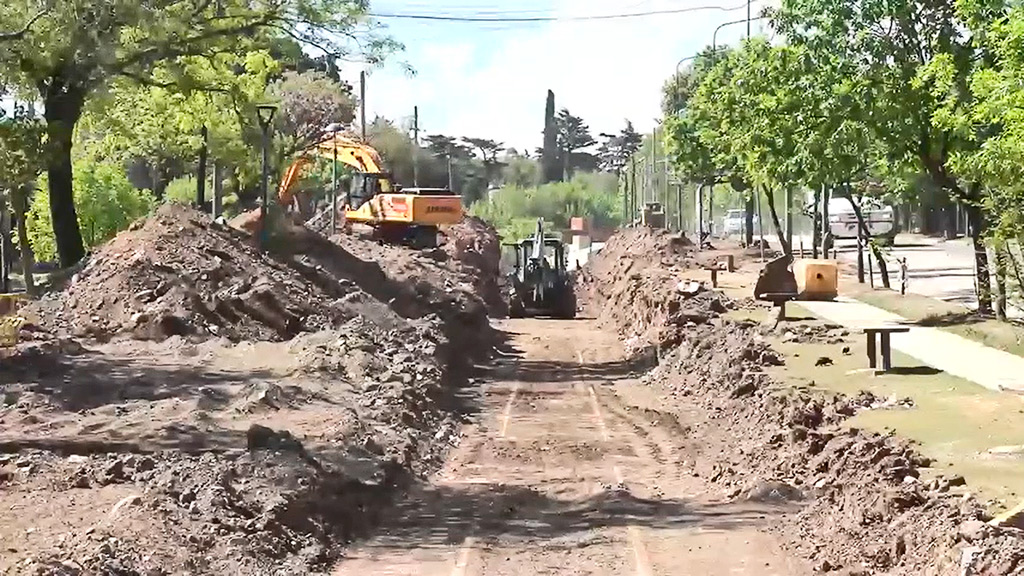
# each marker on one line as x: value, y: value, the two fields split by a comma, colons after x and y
x: 561, y: 475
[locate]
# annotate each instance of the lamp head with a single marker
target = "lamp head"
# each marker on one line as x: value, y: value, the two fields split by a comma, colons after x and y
x: 265, y: 114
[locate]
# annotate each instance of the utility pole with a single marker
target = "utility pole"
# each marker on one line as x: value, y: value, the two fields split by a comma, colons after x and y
x: 415, y: 145
x: 632, y: 194
x: 218, y: 189
x: 789, y: 214
x: 450, y: 183
x: 362, y: 103
x: 334, y: 180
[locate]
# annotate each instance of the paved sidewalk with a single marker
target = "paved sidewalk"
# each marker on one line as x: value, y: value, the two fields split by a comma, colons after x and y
x: 967, y: 359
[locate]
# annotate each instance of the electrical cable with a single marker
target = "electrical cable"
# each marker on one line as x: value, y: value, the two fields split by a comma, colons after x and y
x: 529, y: 19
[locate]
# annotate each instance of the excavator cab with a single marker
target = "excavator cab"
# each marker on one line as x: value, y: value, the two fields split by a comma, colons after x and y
x: 366, y: 185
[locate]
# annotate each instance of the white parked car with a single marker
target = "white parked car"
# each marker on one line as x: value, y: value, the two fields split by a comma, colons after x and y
x: 733, y: 223
x: 880, y: 219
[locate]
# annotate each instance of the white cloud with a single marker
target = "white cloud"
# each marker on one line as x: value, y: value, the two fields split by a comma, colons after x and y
x: 604, y: 71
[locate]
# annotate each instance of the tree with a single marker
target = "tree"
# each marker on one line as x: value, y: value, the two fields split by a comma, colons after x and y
x: 489, y: 150
x: 905, y: 64
x: 550, y: 167
x: 310, y: 102
x: 69, y: 50
x: 573, y: 136
x: 107, y: 203
x: 616, y: 150
x: 21, y: 161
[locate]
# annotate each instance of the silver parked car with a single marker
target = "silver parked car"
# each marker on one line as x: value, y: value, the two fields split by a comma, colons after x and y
x: 733, y: 223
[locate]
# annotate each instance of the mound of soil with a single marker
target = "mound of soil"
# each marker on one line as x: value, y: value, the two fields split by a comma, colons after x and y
x: 865, y: 508
x: 474, y: 244
x: 256, y: 413
x: 634, y: 285
x: 180, y: 273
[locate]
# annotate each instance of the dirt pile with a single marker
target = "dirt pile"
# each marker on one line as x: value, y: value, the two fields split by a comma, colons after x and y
x: 868, y: 510
x: 634, y: 284
x: 474, y: 244
x: 866, y: 507
x: 256, y: 414
x: 180, y: 273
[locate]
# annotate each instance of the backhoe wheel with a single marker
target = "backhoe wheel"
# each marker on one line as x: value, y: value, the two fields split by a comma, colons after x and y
x: 567, y: 304
x: 516, y: 308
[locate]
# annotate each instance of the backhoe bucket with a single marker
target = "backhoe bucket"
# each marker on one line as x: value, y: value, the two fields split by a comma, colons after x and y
x: 776, y: 278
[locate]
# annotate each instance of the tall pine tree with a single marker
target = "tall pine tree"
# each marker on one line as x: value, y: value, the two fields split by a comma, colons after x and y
x: 550, y: 167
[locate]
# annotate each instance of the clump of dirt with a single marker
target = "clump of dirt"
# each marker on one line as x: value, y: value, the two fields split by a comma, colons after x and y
x: 868, y: 510
x: 474, y: 244
x: 634, y: 285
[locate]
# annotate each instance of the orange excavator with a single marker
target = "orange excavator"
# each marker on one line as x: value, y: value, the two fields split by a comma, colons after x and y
x: 398, y: 215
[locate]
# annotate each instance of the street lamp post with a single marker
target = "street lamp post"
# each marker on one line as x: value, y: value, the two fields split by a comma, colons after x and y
x: 265, y: 116
x: 334, y: 129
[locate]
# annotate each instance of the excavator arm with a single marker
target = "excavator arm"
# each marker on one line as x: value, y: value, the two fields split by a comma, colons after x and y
x: 349, y: 152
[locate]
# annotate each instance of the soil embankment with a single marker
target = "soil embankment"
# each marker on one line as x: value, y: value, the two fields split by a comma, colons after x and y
x: 188, y: 403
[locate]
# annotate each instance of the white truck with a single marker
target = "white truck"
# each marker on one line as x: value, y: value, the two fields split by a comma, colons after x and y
x: 880, y: 219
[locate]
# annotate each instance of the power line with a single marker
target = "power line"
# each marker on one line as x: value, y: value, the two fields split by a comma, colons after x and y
x: 445, y: 18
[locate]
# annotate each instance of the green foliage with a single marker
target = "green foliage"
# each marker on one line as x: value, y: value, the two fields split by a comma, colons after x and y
x: 21, y: 148
x: 107, y: 203
x: 514, y: 210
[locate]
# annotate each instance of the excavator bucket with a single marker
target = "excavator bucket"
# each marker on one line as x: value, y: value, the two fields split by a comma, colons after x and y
x: 776, y: 280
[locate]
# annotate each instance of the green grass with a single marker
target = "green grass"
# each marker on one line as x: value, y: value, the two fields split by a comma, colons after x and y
x: 949, y: 317
x: 954, y: 421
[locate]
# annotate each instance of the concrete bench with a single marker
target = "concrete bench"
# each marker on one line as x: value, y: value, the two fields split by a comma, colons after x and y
x: 778, y: 299
x: 882, y: 334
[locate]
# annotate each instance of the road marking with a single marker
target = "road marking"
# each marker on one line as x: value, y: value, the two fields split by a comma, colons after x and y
x: 597, y: 413
x: 618, y: 475
x: 462, y: 562
x: 643, y: 563
x: 507, y: 414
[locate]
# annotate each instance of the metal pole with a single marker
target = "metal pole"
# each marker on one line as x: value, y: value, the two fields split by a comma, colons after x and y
x: 679, y: 206
x: 760, y: 223
x: 860, y: 254
x: 218, y: 189
x: 748, y: 18
x: 700, y: 215
x: 415, y: 145
x: 334, y: 182
x: 632, y: 193
x: 450, y: 183
x: 362, y: 102
x: 201, y: 172
x: 789, y: 213
x: 264, y: 191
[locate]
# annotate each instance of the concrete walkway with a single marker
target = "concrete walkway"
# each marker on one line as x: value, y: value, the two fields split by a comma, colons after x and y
x: 967, y: 359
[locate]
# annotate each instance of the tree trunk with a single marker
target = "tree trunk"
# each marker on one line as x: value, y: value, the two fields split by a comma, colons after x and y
x: 19, y: 202
x: 63, y: 110
x: 976, y: 224
x: 786, y: 248
x: 883, y: 268
x: 1000, y: 305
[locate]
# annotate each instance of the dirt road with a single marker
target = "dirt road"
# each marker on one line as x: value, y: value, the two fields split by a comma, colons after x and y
x: 572, y: 467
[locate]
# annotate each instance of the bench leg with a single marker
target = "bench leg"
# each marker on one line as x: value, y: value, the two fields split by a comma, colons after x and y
x: 872, y: 358
x: 782, y: 311
x: 714, y: 278
x: 886, y: 352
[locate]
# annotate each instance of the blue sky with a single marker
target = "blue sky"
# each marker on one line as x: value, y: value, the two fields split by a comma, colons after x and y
x: 490, y: 80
